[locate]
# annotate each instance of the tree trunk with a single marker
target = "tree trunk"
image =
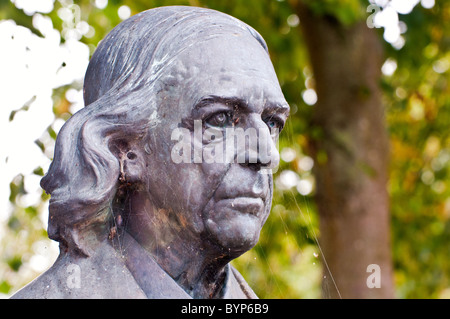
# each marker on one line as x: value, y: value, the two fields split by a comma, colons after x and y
x: 351, y: 155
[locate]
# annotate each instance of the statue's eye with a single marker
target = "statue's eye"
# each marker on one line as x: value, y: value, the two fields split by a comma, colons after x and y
x: 220, y: 119
x: 274, y: 123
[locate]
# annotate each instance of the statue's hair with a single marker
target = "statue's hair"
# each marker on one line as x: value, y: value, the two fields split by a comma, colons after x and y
x: 119, y: 94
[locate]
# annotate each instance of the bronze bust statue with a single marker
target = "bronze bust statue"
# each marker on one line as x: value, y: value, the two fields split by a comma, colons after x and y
x: 131, y: 219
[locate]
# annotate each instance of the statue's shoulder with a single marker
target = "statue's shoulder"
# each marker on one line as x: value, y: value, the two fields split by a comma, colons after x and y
x: 101, y: 275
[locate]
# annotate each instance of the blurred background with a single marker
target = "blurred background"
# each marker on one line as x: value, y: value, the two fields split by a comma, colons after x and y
x: 361, y: 205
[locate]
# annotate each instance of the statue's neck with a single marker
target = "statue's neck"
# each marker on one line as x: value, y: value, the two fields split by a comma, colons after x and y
x: 197, y: 264
x: 198, y: 274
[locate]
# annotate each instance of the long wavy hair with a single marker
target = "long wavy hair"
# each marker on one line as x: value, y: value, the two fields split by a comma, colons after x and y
x: 120, y: 96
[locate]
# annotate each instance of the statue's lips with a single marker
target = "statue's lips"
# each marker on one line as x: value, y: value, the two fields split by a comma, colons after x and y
x: 244, y: 204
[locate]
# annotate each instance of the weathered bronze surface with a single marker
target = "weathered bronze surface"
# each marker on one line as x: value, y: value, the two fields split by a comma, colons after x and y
x: 132, y: 219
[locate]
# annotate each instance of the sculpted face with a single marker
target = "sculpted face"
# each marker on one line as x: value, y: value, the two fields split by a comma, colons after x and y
x: 220, y: 84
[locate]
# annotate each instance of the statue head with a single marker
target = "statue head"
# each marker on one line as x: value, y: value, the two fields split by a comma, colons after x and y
x: 166, y: 91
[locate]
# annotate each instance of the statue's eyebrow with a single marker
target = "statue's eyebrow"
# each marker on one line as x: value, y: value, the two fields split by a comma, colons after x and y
x: 228, y: 101
x: 241, y: 103
x: 282, y: 109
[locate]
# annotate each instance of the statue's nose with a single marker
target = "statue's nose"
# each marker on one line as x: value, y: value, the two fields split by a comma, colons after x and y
x: 259, y: 149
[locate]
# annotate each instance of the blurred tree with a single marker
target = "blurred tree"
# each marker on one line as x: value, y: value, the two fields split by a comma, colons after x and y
x: 334, y: 148
x: 350, y: 148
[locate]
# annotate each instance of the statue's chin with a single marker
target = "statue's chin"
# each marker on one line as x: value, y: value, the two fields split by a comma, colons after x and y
x: 237, y: 234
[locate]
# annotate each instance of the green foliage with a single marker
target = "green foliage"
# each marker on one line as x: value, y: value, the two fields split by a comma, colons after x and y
x: 347, y: 12
x: 418, y: 116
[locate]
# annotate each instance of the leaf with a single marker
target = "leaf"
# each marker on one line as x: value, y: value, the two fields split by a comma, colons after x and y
x: 25, y: 107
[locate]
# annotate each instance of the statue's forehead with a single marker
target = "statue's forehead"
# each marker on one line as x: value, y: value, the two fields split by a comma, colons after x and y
x: 229, y: 51
x: 232, y: 60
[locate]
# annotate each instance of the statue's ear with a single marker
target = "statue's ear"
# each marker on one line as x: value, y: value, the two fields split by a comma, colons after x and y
x: 131, y: 157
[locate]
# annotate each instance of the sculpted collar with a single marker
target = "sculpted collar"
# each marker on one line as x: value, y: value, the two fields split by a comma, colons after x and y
x: 157, y: 284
